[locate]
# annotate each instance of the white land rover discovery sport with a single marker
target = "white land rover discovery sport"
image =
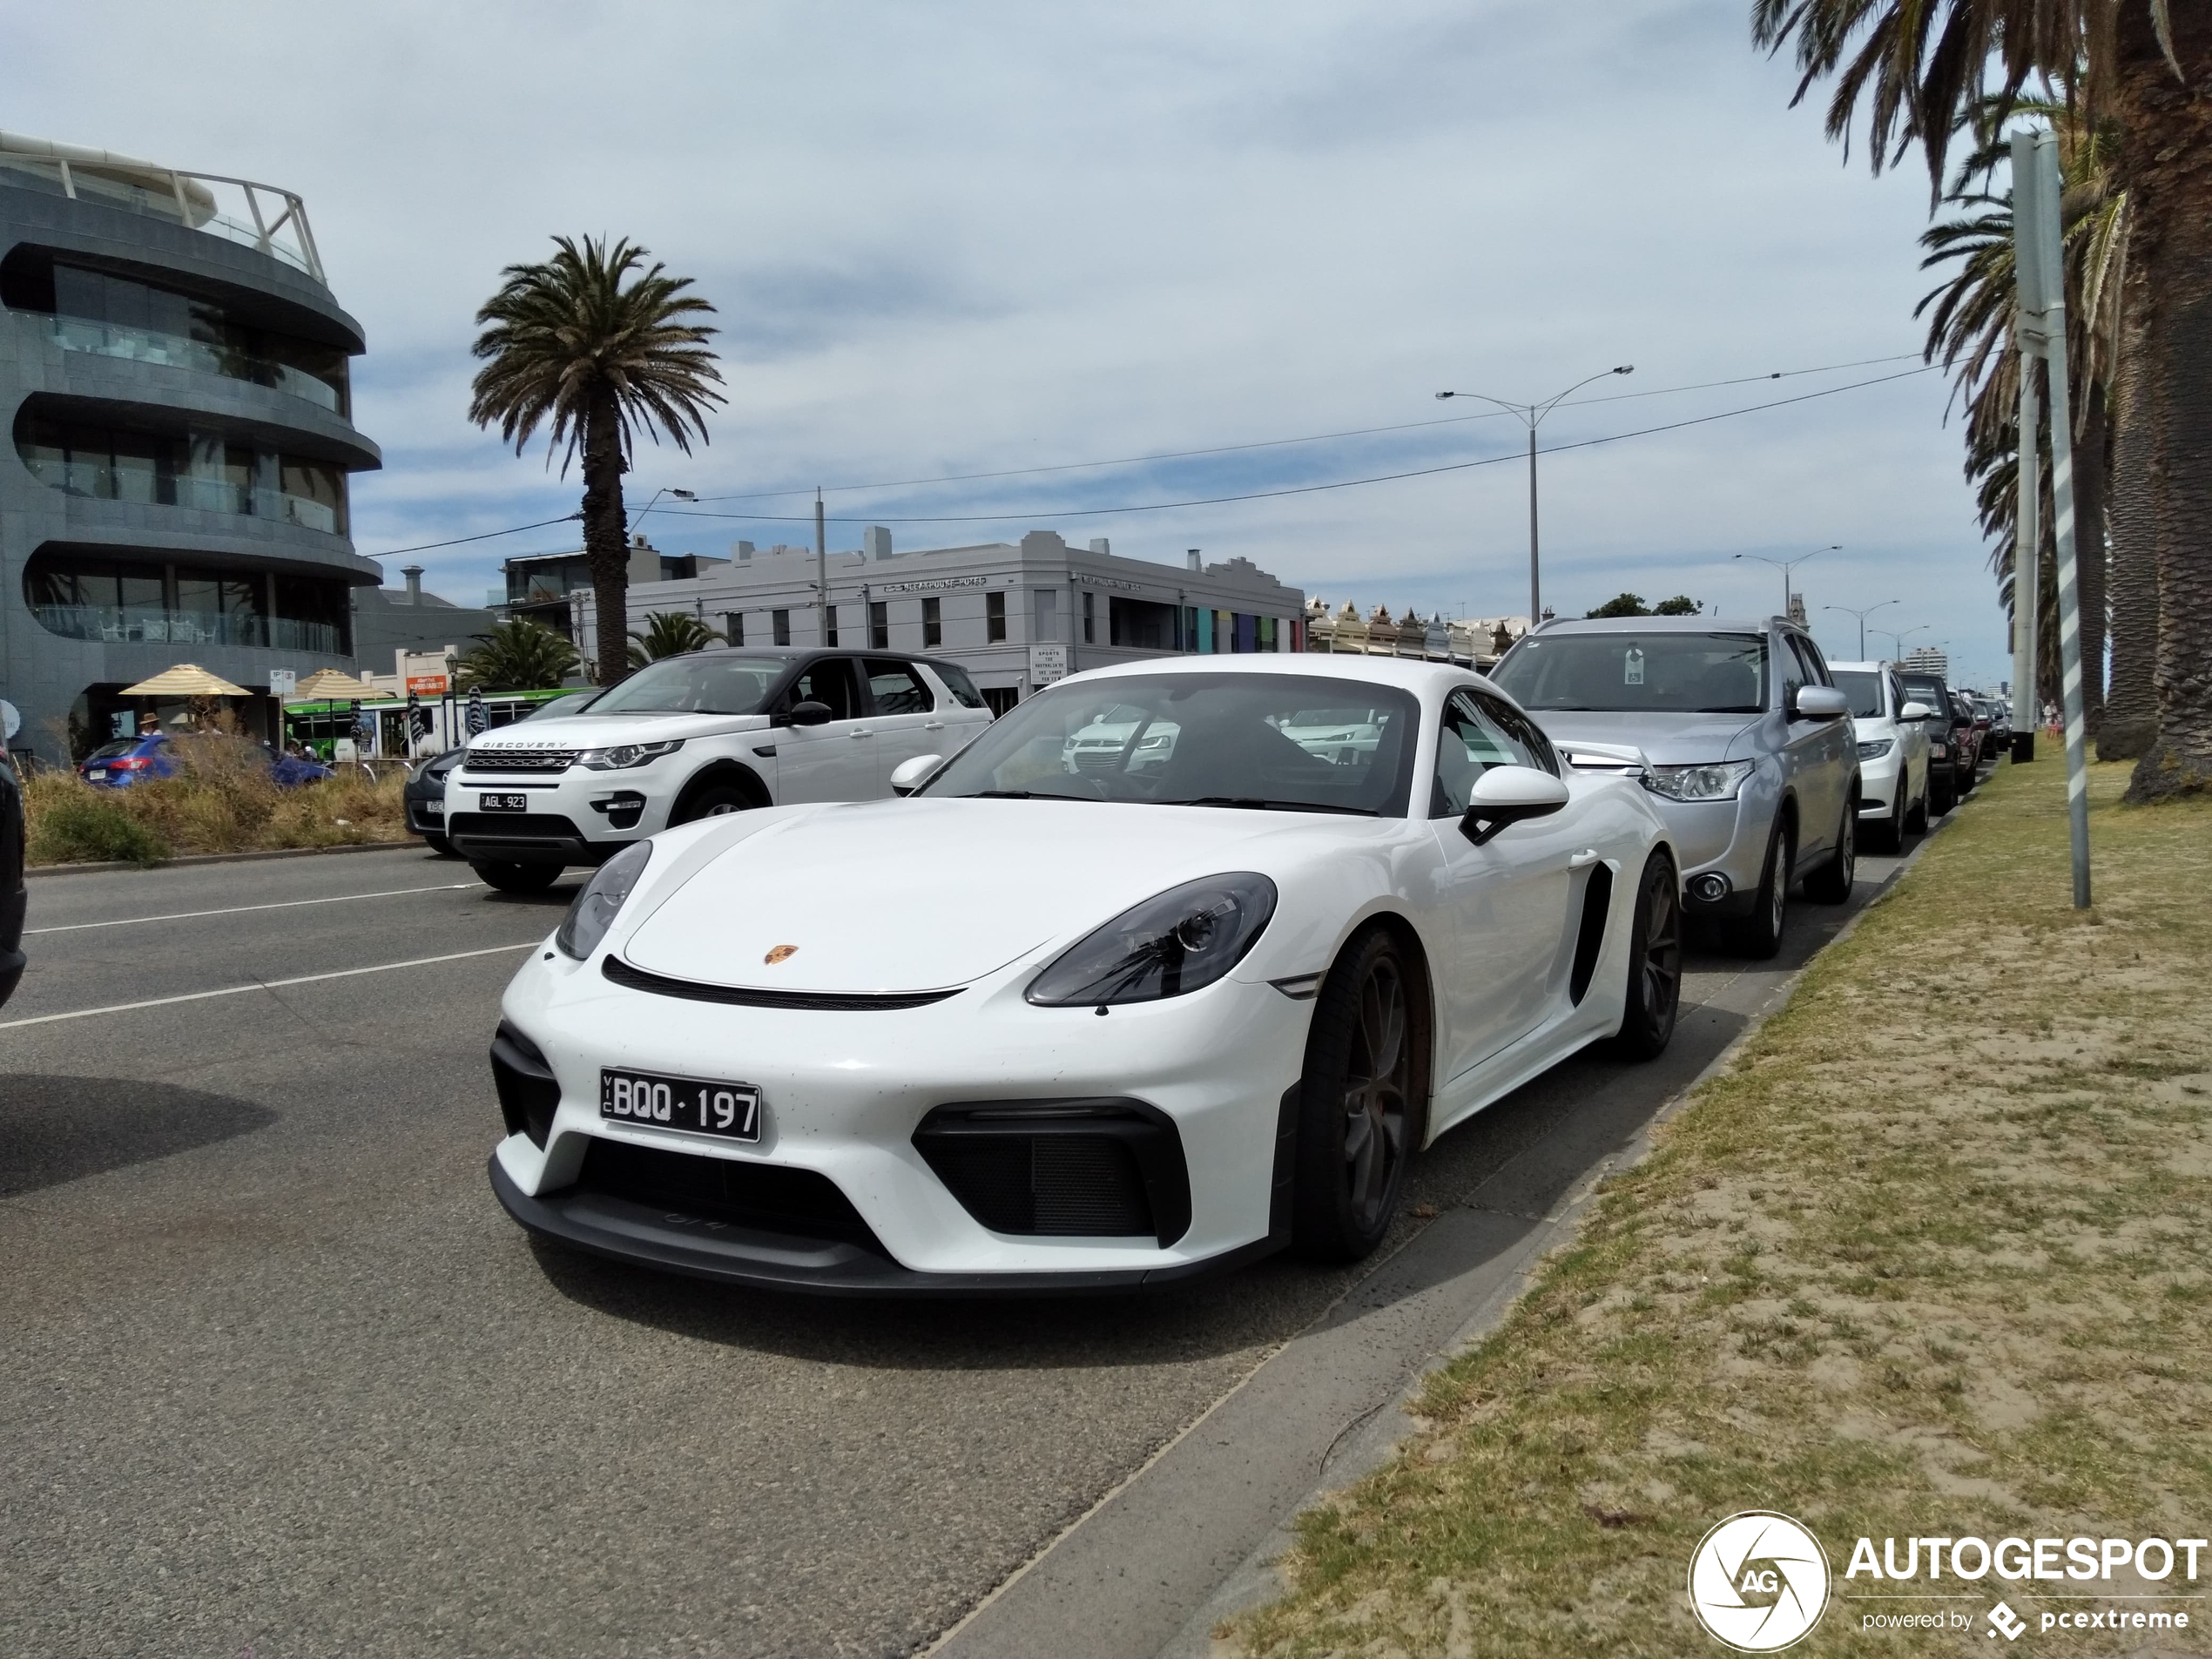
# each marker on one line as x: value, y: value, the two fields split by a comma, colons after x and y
x: 689, y: 737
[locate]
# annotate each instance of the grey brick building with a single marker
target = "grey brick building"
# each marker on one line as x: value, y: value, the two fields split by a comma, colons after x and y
x: 174, y: 374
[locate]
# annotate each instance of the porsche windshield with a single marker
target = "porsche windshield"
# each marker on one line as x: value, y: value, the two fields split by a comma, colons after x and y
x: 1281, y: 742
x: 1655, y: 673
x: 702, y: 685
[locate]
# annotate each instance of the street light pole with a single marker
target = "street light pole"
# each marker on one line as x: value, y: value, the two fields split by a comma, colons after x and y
x: 1531, y: 414
x: 821, y: 571
x: 1897, y: 640
x: 1788, y: 566
x: 1862, y: 616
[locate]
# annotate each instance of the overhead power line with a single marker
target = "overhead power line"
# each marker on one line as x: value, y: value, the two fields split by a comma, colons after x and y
x: 512, y: 529
x: 1314, y: 438
x: 1297, y: 489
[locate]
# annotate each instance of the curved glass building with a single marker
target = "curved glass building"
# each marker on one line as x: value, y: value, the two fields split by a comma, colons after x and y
x: 174, y: 378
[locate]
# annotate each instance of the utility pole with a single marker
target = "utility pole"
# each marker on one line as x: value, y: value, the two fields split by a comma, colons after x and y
x: 2027, y: 548
x: 821, y: 571
x: 1535, y: 595
x: 2039, y: 257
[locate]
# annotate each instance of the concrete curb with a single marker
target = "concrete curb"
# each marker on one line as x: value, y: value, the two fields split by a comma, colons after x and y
x: 1369, y: 1445
x: 31, y: 871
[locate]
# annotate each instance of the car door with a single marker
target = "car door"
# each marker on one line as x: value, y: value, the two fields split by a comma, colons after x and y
x: 1814, y: 757
x: 1501, y: 907
x: 904, y: 713
x: 1912, y: 743
x: 837, y: 759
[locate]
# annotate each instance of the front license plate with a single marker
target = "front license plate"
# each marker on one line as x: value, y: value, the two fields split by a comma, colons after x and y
x: 503, y: 803
x: 731, y: 1111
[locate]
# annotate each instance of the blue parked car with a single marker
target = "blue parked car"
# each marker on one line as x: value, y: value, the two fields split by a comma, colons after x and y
x: 123, y: 762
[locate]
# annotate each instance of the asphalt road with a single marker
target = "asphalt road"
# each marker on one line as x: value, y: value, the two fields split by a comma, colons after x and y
x: 279, y: 1377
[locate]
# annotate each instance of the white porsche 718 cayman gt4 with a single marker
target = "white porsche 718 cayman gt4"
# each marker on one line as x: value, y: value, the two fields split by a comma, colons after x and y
x: 1081, y: 1013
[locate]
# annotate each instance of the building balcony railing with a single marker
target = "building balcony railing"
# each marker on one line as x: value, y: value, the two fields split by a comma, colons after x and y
x: 136, y: 625
x: 178, y: 351
x: 102, y: 481
x: 260, y: 216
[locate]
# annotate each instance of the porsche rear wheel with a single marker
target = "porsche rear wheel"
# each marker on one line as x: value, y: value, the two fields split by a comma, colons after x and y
x: 1654, y: 964
x: 1364, y: 1101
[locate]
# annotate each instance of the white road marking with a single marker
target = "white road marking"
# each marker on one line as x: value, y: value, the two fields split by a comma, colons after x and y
x: 238, y: 910
x: 266, y: 985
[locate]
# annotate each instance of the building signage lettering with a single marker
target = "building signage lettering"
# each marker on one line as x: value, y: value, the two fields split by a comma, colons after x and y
x: 935, y: 585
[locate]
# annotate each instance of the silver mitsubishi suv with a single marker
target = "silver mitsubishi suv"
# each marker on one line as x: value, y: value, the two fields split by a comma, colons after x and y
x: 1740, y: 736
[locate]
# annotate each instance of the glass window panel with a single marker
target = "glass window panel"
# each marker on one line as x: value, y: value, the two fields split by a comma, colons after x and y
x: 896, y: 690
x: 1675, y: 673
x: 829, y: 682
x: 1475, y: 738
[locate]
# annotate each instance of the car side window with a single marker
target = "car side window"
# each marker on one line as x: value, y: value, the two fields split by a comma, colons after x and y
x: 1474, y: 739
x: 896, y: 689
x: 1898, y: 699
x: 829, y: 682
x: 1800, y: 674
x: 1542, y: 756
x: 1815, y: 665
x: 958, y: 682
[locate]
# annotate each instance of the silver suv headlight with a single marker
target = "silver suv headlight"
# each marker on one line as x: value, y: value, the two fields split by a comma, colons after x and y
x: 627, y: 754
x: 1716, y: 780
x: 1174, y: 942
x: 593, y: 910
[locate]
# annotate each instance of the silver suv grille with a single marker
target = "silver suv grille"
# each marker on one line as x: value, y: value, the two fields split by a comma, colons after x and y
x: 538, y: 760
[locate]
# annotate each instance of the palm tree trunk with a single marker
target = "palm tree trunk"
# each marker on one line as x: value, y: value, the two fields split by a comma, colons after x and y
x: 2089, y: 483
x: 606, y: 540
x: 2169, y: 165
x: 2131, y: 707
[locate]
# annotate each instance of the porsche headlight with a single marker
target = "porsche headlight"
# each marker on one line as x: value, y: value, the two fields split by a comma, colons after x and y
x: 594, y: 909
x: 1172, y: 943
x: 627, y: 754
x: 1717, y: 781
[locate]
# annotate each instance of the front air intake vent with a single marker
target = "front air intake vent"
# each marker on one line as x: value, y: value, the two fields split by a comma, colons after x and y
x: 746, y: 997
x: 1070, y: 1169
x: 529, y: 1092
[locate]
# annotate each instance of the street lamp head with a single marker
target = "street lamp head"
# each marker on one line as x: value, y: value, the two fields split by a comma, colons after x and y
x: 1626, y: 369
x: 683, y: 494
x: 1440, y: 395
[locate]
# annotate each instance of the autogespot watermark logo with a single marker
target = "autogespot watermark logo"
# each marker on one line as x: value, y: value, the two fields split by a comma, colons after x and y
x: 1758, y: 1581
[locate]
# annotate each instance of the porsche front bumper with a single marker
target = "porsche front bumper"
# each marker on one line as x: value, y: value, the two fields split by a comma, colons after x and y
x: 844, y: 1093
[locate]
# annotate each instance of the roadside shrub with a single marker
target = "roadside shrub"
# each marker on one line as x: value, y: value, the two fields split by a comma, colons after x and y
x: 70, y: 823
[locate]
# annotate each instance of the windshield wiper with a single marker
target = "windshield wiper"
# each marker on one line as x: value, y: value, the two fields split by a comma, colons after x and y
x: 1256, y: 804
x: 1018, y: 794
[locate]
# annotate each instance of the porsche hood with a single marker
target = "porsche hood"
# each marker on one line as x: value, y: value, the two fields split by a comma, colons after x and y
x: 924, y: 894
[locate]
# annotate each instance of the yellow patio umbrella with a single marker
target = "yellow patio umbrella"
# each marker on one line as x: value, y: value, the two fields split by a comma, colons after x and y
x: 186, y: 679
x: 331, y: 685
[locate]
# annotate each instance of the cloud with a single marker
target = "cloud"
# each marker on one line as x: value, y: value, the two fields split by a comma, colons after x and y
x: 956, y: 239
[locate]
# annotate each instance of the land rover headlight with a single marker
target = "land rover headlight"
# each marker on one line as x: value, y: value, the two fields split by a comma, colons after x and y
x: 594, y: 909
x: 1175, y: 942
x: 1717, y: 781
x: 627, y: 754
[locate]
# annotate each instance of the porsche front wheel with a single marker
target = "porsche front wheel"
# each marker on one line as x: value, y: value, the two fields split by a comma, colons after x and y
x: 1654, y: 964
x: 1363, y: 1103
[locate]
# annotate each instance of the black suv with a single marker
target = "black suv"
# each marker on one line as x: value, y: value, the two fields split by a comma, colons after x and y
x: 1953, y: 745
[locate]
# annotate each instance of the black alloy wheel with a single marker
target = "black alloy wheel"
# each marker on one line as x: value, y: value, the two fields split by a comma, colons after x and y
x: 1831, y: 882
x: 1916, y: 821
x: 1363, y: 1103
x: 509, y: 877
x: 717, y: 800
x: 1655, y: 963
x: 1889, y: 836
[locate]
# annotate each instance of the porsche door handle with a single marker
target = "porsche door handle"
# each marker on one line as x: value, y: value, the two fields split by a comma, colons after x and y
x: 1587, y: 856
x: 932, y: 726
x: 863, y: 733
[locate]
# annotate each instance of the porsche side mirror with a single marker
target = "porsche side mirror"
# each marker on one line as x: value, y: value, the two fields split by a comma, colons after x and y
x: 1913, y: 712
x: 1507, y: 795
x: 1818, y: 702
x: 804, y: 714
x: 908, y: 775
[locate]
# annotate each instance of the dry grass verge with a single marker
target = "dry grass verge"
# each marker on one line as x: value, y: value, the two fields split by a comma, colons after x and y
x: 220, y: 800
x: 1931, y: 1259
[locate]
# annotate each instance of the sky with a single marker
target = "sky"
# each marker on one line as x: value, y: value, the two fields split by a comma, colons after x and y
x: 975, y: 238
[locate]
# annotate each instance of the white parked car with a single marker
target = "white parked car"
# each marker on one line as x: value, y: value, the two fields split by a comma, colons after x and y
x: 1042, y: 1026
x: 699, y: 736
x: 1893, y: 733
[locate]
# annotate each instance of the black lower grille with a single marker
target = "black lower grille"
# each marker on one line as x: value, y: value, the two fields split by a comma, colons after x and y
x: 767, y: 1196
x: 1086, y: 1168
x: 514, y: 826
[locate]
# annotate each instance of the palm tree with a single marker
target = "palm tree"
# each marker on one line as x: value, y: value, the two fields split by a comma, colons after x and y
x: 670, y: 633
x: 518, y: 656
x: 1972, y: 331
x: 566, y: 342
x: 1918, y: 68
